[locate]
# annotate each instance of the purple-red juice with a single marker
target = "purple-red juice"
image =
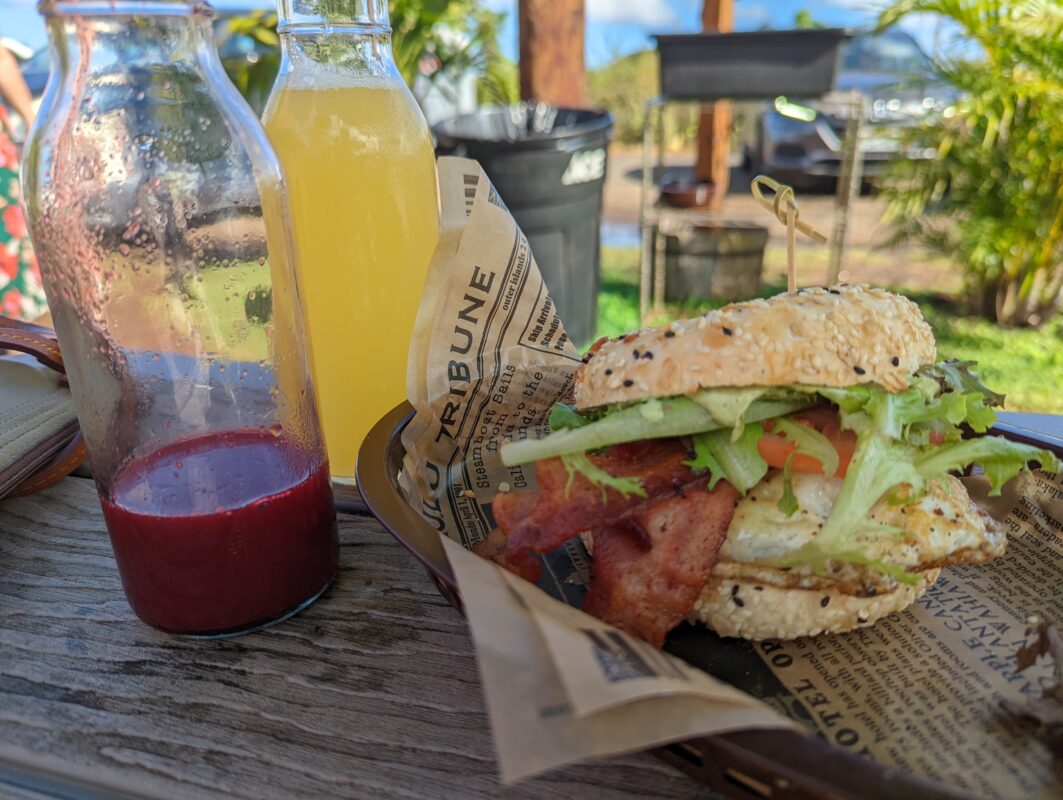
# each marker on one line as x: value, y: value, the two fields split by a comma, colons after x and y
x: 222, y: 532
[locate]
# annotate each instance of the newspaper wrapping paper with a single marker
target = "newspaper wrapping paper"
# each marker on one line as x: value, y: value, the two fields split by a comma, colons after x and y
x: 920, y: 690
x: 489, y: 359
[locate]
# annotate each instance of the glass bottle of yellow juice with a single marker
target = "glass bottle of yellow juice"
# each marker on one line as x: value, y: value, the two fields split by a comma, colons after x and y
x: 360, y: 169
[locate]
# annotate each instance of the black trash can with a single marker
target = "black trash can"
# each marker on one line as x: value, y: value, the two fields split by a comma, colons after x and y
x: 548, y: 165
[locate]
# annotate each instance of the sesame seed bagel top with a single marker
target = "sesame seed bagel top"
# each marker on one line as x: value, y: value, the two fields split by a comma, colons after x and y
x: 840, y: 336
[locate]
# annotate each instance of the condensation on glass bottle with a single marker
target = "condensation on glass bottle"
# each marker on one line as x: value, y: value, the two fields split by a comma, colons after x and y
x: 158, y: 213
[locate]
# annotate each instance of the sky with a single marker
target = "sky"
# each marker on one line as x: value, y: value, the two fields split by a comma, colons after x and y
x: 614, y: 27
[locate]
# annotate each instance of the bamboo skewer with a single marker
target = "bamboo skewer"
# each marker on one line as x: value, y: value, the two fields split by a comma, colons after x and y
x: 784, y: 206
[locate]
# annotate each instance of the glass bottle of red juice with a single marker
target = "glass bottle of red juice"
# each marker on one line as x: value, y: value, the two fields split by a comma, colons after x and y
x: 160, y: 222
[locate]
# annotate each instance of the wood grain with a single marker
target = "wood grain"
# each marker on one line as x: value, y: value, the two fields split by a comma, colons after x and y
x: 372, y: 692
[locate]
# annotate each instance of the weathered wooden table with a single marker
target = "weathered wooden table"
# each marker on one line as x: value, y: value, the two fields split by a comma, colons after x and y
x: 371, y: 692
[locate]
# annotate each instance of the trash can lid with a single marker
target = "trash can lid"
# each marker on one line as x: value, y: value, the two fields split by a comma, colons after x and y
x: 524, y: 126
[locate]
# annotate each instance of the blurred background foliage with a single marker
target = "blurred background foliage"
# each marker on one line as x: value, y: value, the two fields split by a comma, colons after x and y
x: 436, y: 41
x: 991, y: 198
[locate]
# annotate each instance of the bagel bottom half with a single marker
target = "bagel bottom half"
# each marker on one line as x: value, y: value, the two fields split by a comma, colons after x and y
x: 757, y: 611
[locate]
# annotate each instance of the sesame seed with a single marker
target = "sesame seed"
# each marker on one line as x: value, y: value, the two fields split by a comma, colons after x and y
x: 825, y: 601
x: 669, y: 334
x: 895, y: 361
x: 503, y: 487
x: 859, y: 370
x: 648, y: 355
x: 629, y: 383
x: 758, y: 588
x: 738, y: 601
x: 871, y: 591
x: 734, y: 590
x: 727, y: 331
x: 608, y: 372
x: 636, y: 355
x: 862, y: 619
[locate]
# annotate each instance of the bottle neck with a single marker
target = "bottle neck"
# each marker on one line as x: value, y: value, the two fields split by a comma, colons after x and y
x: 339, y: 17
x: 128, y: 33
x: 349, y: 35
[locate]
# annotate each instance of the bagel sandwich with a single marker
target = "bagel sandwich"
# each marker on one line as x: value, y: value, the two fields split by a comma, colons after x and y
x: 774, y: 469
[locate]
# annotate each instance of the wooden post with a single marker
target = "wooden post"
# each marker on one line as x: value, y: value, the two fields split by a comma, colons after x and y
x: 552, y: 67
x: 714, y: 128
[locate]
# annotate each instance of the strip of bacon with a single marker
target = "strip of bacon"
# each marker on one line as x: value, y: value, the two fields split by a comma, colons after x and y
x: 538, y: 522
x: 649, y: 568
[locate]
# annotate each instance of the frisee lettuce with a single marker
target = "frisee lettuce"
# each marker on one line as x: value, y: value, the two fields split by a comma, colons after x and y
x: 810, y: 442
x: 578, y: 463
x: 886, y: 457
x: 738, y: 461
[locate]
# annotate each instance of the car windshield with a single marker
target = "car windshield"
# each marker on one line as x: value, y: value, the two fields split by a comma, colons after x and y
x: 892, y: 53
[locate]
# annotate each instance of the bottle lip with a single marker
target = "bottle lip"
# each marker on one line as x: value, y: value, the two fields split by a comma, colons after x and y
x: 125, y: 8
x: 352, y: 27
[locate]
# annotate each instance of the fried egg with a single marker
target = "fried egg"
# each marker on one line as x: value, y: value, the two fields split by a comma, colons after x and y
x: 941, y: 528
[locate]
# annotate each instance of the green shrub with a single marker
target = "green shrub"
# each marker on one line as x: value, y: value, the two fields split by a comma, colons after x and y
x: 992, y: 195
x: 458, y: 34
x: 624, y: 87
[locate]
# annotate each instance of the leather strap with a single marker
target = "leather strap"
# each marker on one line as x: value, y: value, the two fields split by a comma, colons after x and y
x: 58, y: 459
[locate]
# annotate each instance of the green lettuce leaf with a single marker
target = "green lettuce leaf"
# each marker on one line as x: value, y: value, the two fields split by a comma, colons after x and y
x: 810, y: 442
x: 956, y: 376
x: 877, y: 466
x: 653, y: 419
x: 880, y: 465
x: 1001, y: 459
x: 578, y: 463
x: 564, y: 417
x: 738, y: 461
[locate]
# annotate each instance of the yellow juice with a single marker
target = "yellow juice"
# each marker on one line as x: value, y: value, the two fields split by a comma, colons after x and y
x: 362, y: 186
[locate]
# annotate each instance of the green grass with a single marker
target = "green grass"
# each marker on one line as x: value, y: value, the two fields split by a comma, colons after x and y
x: 1025, y: 364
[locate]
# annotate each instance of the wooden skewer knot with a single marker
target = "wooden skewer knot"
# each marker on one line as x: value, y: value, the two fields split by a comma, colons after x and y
x: 784, y: 206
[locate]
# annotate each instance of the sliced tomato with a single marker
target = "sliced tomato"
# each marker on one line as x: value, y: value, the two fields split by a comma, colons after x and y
x: 775, y: 449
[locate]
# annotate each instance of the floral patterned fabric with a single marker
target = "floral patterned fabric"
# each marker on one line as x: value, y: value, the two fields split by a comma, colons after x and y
x: 21, y: 295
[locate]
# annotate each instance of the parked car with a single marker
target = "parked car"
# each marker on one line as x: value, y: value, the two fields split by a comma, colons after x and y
x: 801, y: 140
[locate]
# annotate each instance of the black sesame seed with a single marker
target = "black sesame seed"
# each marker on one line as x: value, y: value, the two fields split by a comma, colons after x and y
x: 738, y: 601
x: 871, y: 591
x: 895, y: 361
x: 758, y: 588
x: 939, y: 512
x: 825, y: 601
x: 734, y: 590
x: 859, y: 370
x: 833, y: 291
x: 648, y: 355
x: 636, y: 354
x: 629, y: 383
x: 608, y: 372
x: 862, y: 620
x: 727, y: 331
x: 669, y: 334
